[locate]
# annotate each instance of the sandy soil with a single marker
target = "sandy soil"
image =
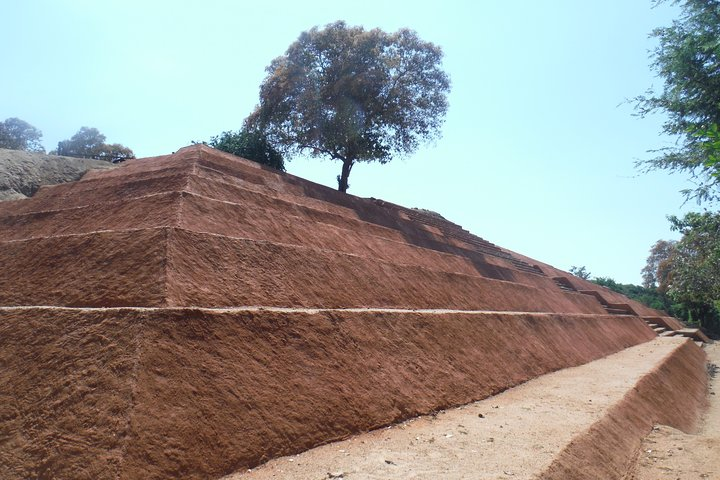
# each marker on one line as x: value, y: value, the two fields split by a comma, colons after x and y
x: 516, y: 434
x: 668, y: 453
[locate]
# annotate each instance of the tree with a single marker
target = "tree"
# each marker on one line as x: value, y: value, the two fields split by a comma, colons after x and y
x: 688, y: 60
x: 689, y: 270
x: 657, y: 268
x: 695, y: 271
x: 251, y: 145
x: 580, y: 272
x: 353, y: 95
x: 16, y: 134
x: 90, y: 143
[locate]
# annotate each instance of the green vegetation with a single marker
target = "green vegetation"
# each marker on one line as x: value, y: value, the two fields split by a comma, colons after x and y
x: 581, y: 272
x: 90, y: 143
x: 688, y: 60
x: 689, y: 270
x: 652, y: 297
x: 16, y: 134
x: 353, y: 95
x: 250, y: 145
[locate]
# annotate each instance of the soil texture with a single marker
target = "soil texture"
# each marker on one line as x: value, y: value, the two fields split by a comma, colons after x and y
x: 530, y: 431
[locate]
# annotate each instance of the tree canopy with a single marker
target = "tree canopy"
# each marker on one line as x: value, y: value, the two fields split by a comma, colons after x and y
x: 656, y: 272
x: 90, y: 143
x: 251, y: 145
x: 689, y: 269
x: 695, y: 272
x: 353, y: 95
x: 580, y: 272
x: 688, y: 60
x: 16, y: 134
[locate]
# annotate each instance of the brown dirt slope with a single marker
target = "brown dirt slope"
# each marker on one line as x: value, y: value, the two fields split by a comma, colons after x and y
x: 576, y: 424
x: 671, y: 453
x: 245, y: 216
x: 127, y: 393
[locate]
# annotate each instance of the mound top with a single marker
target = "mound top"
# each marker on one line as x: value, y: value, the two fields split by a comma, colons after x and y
x: 204, y: 228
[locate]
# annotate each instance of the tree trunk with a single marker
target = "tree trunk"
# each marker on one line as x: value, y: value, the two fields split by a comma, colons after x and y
x: 344, y: 175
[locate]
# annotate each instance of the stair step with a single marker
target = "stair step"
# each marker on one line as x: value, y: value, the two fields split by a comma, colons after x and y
x: 694, y: 333
x: 659, y: 329
x: 654, y: 325
x: 616, y: 311
x: 669, y: 333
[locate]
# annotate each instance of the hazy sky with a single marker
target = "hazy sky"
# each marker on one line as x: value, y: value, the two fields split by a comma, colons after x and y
x: 538, y: 148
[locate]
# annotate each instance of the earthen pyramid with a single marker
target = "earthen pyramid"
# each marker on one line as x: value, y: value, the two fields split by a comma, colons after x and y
x: 190, y: 315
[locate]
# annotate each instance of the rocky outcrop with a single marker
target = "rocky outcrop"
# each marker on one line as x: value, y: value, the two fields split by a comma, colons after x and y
x: 22, y: 173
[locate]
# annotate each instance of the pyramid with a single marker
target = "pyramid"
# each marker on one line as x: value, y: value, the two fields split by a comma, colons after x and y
x: 194, y: 314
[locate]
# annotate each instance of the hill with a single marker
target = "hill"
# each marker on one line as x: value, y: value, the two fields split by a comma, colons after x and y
x: 22, y: 173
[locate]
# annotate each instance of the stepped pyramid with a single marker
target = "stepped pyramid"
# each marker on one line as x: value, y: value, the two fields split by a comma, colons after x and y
x: 191, y: 315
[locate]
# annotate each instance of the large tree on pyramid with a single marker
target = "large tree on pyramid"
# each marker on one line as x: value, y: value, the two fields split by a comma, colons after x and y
x: 353, y: 95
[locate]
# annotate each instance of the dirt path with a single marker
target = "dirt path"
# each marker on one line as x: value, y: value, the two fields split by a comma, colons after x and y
x: 668, y: 453
x: 513, y: 435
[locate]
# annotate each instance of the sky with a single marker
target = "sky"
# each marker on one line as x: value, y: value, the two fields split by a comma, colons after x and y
x: 539, y: 144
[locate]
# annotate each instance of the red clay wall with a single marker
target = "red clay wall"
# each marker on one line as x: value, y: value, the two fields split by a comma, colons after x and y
x: 209, y: 270
x: 67, y: 381
x: 104, y: 269
x: 98, y: 191
x: 157, y: 210
x: 198, y: 394
x: 140, y: 268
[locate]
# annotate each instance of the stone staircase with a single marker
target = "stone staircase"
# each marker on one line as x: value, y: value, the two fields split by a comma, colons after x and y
x: 611, y: 308
x: 564, y: 284
x: 693, y: 333
x: 454, y: 231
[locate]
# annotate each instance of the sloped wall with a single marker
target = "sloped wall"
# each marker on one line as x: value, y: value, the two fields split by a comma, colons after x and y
x: 198, y: 393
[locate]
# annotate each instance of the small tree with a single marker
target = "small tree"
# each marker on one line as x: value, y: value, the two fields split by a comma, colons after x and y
x: 580, y: 272
x: 688, y: 60
x: 353, y: 95
x: 90, y: 143
x: 16, y: 134
x: 250, y: 145
x: 657, y: 268
x: 689, y: 269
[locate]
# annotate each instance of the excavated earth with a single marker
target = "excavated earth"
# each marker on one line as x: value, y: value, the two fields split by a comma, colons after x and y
x: 196, y: 314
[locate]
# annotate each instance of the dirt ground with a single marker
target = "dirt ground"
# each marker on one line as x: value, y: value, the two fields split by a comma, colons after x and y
x: 516, y: 434
x: 668, y: 453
